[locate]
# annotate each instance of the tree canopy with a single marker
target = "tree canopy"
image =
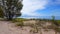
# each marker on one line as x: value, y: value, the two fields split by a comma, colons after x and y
x: 1, y: 13
x: 11, y: 8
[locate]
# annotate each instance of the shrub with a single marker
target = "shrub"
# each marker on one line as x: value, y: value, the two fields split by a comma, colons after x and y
x: 20, y: 24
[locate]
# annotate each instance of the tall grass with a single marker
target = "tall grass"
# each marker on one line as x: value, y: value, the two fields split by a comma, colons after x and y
x: 18, y: 21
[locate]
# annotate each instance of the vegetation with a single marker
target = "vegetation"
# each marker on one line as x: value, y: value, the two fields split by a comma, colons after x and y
x: 58, y: 21
x: 56, y: 25
x: 19, y: 24
x: 1, y: 12
x: 11, y: 8
x: 18, y: 20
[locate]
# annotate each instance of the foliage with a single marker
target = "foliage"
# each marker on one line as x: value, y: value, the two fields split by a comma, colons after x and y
x: 55, y: 25
x: 1, y: 13
x: 18, y: 20
x: 53, y: 17
x: 20, y: 24
x: 58, y: 21
x: 11, y: 8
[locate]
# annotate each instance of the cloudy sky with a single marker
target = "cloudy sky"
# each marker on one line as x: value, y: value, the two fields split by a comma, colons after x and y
x: 41, y: 8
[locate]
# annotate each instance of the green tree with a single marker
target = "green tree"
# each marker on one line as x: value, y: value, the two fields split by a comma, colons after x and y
x: 1, y: 13
x: 11, y: 8
x: 53, y: 18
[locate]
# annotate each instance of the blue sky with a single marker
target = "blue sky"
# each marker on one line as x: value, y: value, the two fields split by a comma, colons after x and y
x: 41, y: 9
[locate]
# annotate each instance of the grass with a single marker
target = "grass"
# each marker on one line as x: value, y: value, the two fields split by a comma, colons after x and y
x: 37, y: 26
x: 18, y: 21
x: 19, y: 24
x: 58, y: 21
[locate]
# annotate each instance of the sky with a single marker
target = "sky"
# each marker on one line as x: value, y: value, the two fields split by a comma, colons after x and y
x: 41, y: 9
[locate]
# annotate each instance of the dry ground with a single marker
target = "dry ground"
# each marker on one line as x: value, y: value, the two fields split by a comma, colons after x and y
x: 6, y: 27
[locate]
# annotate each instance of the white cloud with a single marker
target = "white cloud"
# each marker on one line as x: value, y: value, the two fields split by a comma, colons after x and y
x: 30, y: 6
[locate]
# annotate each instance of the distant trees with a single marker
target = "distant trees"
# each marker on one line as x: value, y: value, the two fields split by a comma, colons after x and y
x: 11, y: 8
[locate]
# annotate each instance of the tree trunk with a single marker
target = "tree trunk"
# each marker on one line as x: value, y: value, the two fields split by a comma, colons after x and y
x: 10, y: 16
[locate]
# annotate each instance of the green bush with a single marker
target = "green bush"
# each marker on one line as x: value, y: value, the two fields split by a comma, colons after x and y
x: 20, y: 24
x: 58, y: 21
x: 18, y: 20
